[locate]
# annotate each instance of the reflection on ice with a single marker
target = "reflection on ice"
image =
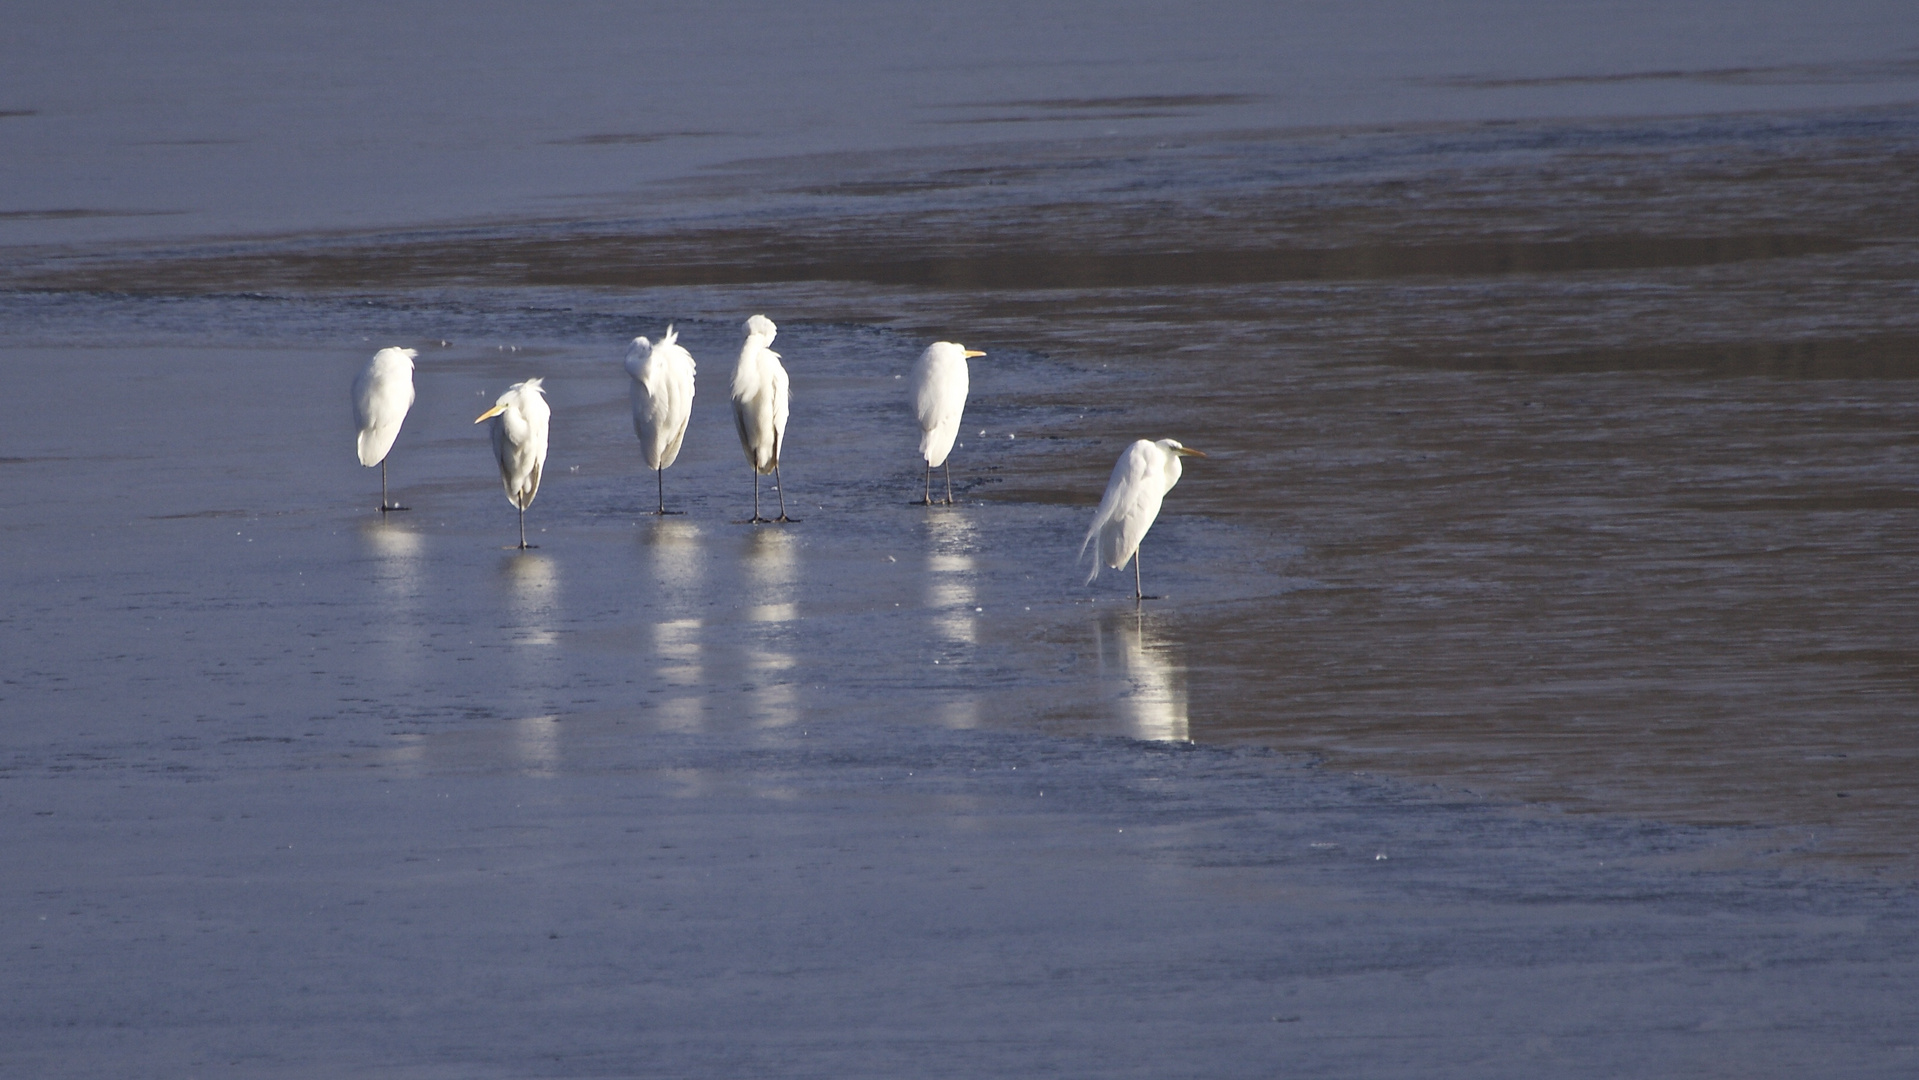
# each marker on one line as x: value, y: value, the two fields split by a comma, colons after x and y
x: 536, y: 745
x: 676, y: 643
x: 962, y: 713
x: 1154, y: 700
x: 397, y: 548
x: 772, y: 564
x: 533, y: 598
x: 675, y: 549
x: 951, y: 588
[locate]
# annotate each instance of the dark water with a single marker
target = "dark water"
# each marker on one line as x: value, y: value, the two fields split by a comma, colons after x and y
x: 1560, y: 404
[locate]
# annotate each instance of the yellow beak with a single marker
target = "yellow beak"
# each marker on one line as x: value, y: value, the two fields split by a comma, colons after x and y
x: 490, y: 413
x: 1190, y: 452
x: 974, y: 352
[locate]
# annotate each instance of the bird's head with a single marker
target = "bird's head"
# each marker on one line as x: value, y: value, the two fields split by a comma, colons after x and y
x: 759, y: 326
x: 1173, y: 446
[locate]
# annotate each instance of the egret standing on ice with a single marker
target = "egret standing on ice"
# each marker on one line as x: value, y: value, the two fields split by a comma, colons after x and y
x: 939, y: 396
x: 381, y: 396
x: 1143, y: 476
x: 662, y: 401
x: 759, y: 409
x: 519, y: 442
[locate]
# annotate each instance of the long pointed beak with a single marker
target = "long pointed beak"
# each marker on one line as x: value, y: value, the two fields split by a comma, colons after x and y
x: 1190, y: 452
x: 974, y: 352
x: 490, y: 413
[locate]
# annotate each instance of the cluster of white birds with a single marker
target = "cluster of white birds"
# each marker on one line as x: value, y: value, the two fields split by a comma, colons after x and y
x: 662, y: 395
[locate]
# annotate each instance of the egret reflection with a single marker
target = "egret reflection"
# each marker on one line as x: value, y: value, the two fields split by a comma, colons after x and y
x: 533, y: 599
x: 951, y: 580
x: 676, y: 553
x: 536, y: 746
x: 399, y: 584
x: 1152, y: 692
x: 772, y: 570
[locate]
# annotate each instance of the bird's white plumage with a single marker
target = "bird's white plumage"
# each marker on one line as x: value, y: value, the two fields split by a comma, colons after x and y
x: 939, y: 397
x: 760, y: 396
x: 382, y: 393
x: 519, y: 439
x: 662, y: 394
x: 1140, y: 481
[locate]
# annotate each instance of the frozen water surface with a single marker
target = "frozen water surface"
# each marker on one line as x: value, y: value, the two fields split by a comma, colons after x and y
x: 1556, y: 367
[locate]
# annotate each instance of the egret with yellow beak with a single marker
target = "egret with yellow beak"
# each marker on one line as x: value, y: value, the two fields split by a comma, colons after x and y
x: 519, y: 443
x: 939, y: 397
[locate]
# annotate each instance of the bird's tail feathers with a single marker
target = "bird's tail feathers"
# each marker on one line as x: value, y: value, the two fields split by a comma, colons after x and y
x: 1083, y: 545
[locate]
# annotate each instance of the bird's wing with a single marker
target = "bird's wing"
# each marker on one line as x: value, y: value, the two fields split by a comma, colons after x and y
x: 381, y: 399
x: 939, y: 393
x: 1127, y: 510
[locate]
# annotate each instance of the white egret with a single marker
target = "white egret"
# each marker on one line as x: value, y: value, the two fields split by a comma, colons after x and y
x: 662, y: 394
x: 1141, y: 479
x: 381, y: 396
x: 519, y: 442
x: 939, y: 396
x: 759, y: 409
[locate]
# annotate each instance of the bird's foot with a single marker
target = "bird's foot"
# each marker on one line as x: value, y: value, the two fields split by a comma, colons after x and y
x: 664, y: 512
x: 521, y: 547
x: 784, y: 520
x: 385, y: 507
x: 755, y: 520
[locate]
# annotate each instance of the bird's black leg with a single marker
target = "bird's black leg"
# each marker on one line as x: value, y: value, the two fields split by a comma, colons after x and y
x: 384, y: 504
x: 756, y: 519
x: 949, y: 481
x: 522, y: 528
x: 928, y: 501
x: 781, y: 485
x: 777, y: 483
x: 659, y: 478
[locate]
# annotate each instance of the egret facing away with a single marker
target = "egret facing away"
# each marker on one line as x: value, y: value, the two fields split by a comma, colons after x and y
x: 381, y: 396
x: 662, y: 401
x: 519, y: 442
x: 1143, y: 476
x: 939, y: 396
x: 759, y: 409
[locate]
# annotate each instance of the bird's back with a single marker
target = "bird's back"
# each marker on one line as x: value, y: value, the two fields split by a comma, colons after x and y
x: 939, y: 399
x: 1133, y: 495
x: 519, y: 441
x: 382, y: 394
x: 760, y: 400
x: 662, y: 394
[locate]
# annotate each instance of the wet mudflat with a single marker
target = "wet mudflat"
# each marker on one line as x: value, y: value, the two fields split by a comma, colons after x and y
x: 1533, y: 688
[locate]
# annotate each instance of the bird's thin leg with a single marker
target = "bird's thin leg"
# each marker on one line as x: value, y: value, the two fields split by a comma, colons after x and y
x: 522, y: 528
x: 757, y: 519
x: 928, y: 501
x: 659, y: 478
x: 780, y: 484
x: 949, y: 481
x: 385, y: 505
x: 1139, y: 593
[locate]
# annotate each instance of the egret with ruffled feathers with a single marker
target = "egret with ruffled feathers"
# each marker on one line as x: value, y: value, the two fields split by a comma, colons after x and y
x: 1141, y: 479
x: 662, y: 394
